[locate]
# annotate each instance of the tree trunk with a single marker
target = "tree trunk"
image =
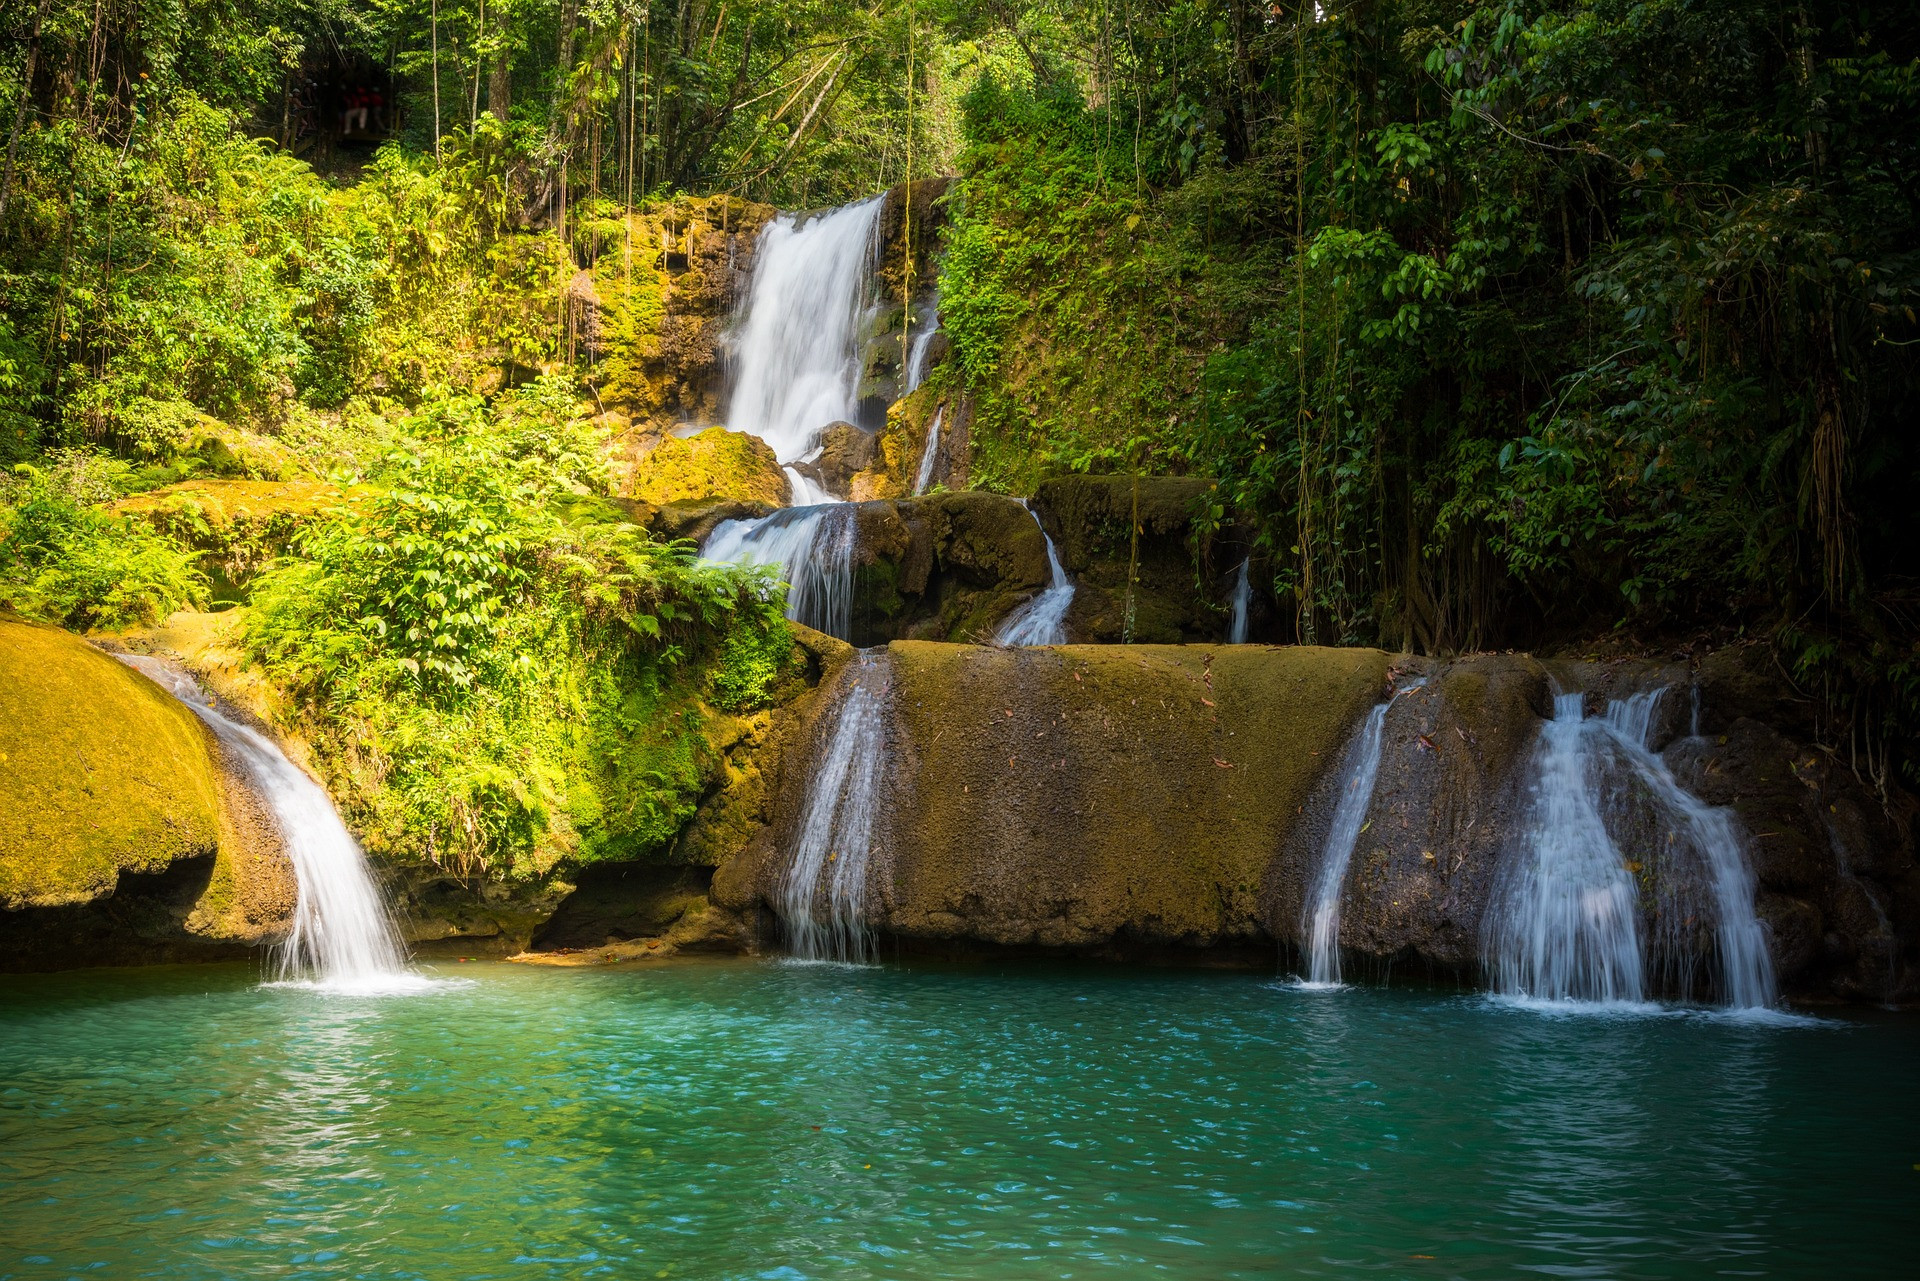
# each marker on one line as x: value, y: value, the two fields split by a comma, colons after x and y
x: 499, y: 83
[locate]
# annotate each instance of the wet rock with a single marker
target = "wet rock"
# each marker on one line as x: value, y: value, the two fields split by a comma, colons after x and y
x: 946, y: 567
x: 1101, y: 800
x: 694, y: 519
x: 844, y: 451
x: 1092, y: 519
x: 1449, y: 801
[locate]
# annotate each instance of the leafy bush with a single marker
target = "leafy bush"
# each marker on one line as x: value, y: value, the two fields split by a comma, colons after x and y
x: 64, y: 559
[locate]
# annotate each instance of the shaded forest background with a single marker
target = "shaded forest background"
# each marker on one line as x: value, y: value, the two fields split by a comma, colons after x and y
x: 1515, y: 325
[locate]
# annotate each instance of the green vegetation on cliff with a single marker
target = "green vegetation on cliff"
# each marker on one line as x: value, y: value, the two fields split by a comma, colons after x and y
x: 1505, y: 325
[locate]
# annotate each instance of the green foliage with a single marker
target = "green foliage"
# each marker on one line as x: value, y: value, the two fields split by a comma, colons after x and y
x: 65, y: 560
x: 1561, y: 317
x: 506, y: 675
x: 752, y: 662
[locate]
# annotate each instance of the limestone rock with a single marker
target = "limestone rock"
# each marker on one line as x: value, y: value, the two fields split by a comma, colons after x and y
x: 844, y: 451
x: 1091, y: 519
x: 1100, y: 799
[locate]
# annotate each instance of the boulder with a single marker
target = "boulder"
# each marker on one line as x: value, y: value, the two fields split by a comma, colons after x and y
x: 101, y: 772
x: 124, y: 834
x: 1449, y: 802
x: 845, y: 450
x: 715, y: 464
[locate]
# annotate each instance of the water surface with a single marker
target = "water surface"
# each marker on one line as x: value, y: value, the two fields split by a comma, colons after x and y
x: 753, y: 1119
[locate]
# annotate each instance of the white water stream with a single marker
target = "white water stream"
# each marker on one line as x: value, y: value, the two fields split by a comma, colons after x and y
x: 797, y: 344
x: 929, y: 453
x: 916, y: 372
x: 1715, y: 840
x: 813, y: 549
x: 822, y: 896
x: 797, y: 370
x: 1242, y: 599
x: 342, y: 939
x: 1566, y: 924
x: 1042, y: 620
x: 1322, y: 915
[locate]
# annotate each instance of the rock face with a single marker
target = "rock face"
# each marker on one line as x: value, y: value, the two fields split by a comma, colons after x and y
x: 716, y: 464
x: 947, y: 567
x: 1092, y: 519
x: 1173, y: 803
x: 124, y: 835
x: 666, y: 282
x: 1094, y: 798
x: 1449, y: 804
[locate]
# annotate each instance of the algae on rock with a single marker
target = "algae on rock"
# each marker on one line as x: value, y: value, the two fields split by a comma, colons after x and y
x: 715, y: 464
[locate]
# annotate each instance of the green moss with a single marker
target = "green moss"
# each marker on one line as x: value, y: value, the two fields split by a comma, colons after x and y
x: 240, y: 525
x: 1084, y: 793
x: 717, y: 463
x: 752, y: 664
x: 101, y: 772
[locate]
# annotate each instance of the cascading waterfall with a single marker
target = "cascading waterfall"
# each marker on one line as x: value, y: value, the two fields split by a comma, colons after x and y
x: 916, y: 372
x: 1564, y: 924
x: 1242, y: 600
x: 1713, y: 836
x: 1322, y: 916
x: 813, y: 548
x: 803, y: 491
x: 796, y: 349
x: 342, y: 938
x: 823, y: 894
x: 1042, y: 620
x: 929, y: 453
x: 797, y: 369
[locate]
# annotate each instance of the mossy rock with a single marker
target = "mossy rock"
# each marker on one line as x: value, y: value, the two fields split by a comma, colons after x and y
x: 239, y: 524
x: 101, y: 772
x: 665, y: 280
x: 1099, y: 798
x: 716, y: 463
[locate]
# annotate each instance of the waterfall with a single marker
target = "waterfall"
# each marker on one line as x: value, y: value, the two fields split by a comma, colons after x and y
x: 342, y: 938
x: 796, y: 347
x: 1242, y: 598
x: 803, y: 492
x: 1042, y: 620
x: 1712, y: 835
x: 930, y: 452
x: 917, y: 353
x: 1322, y: 915
x: 1564, y: 925
x: 813, y: 548
x: 822, y: 896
